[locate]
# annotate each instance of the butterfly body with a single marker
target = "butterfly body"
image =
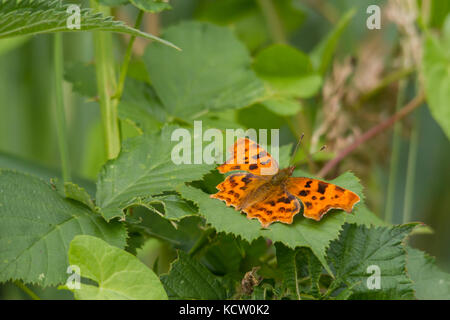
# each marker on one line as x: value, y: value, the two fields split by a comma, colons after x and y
x: 274, y: 196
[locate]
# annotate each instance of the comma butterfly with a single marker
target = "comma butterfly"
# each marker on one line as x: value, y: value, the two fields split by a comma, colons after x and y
x: 274, y: 195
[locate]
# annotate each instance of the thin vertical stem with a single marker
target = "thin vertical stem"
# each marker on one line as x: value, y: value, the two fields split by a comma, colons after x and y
x: 411, y: 171
x: 395, y: 155
x: 126, y: 60
x: 106, y: 85
x: 59, y: 106
x: 274, y: 22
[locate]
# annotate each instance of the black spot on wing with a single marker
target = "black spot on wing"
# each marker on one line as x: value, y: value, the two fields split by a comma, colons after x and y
x: 308, y: 184
x: 253, y: 166
x: 260, y: 155
x: 287, y: 199
x: 247, y: 179
x: 322, y: 187
x: 303, y: 193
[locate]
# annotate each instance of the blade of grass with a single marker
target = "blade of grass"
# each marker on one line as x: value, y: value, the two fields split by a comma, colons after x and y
x: 392, y: 182
x: 59, y: 106
x: 411, y: 171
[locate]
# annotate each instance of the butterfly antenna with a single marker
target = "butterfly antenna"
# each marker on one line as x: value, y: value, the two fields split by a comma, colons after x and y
x: 291, y: 162
x: 321, y: 149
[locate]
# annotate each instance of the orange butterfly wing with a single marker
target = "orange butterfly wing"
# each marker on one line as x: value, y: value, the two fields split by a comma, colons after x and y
x: 318, y: 197
x: 247, y: 155
x: 235, y: 187
x: 280, y: 205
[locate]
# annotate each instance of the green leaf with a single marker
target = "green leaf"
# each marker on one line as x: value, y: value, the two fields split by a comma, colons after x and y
x: 211, y: 73
x: 83, y: 78
x: 153, y: 6
x: 224, y: 255
x: 429, y: 282
x: 143, y: 169
x: 310, y: 267
x: 436, y: 71
x: 288, y: 265
x: 140, y: 105
x: 16, y: 163
x: 113, y: 3
x: 247, y: 19
x: 75, y: 192
x: 301, y: 233
x: 174, y: 207
x: 439, y: 10
x: 7, y: 45
x: 287, y: 71
x: 188, y: 279
x: 36, y: 227
x: 283, y: 106
x: 358, y: 248
x: 29, y: 17
x: 182, y: 234
x: 119, y: 275
x: 323, y: 54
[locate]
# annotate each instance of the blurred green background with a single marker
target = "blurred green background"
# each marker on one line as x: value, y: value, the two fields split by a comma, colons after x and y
x: 27, y: 125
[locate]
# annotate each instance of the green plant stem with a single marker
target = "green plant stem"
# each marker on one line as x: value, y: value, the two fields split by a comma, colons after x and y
x: 59, y: 106
x: 27, y: 290
x: 273, y: 21
x: 394, y: 161
x: 201, y: 242
x: 126, y: 60
x: 411, y: 171
x: 106, y: 85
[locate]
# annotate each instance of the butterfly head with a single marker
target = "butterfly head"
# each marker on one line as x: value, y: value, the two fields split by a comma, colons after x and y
x: 290, y: 170
x: 282, y: 175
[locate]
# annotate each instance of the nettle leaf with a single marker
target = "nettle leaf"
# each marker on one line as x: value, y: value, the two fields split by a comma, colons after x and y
x: 429, y: 282
x: 322, y: 55
x: 36, y: 227
x: 143, y: 169
x: 224, y: 255
x: 153, y: 6
x: 283, y: 106
x: 359, y: 248
x: 211, y: 73
x: 287, y: 263
x: 188, y: 279
x: 301, y: 270
x: 435, y: 68
x: 287, y: 72
x: 141, y: 105
x: 28, y: 17
x: 181, y: 234
x: 75, y: 192
x: 173, y: 207
x: 302, y: 232
x: 118, y: 274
